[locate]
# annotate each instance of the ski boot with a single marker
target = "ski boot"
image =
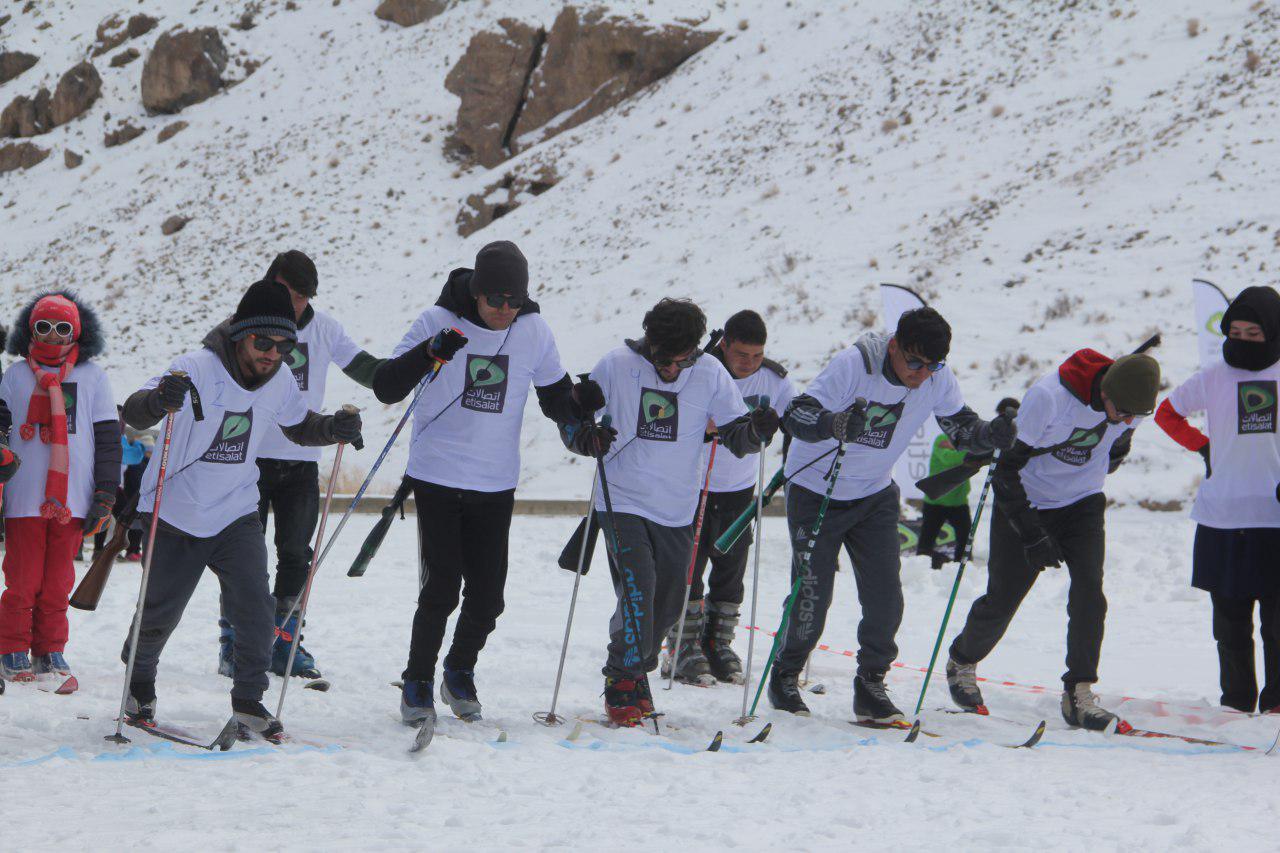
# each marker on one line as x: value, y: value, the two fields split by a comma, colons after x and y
x: 226, y: 649
x: 962, y: 679
x: 622, y: 702
x: 52, y: 668
x: 1080, y: 709
x: 254, y: 719
x: 140, y: 706
x: 717, y: 642
x: 692, y: 667
x: 417, y: 706
x: 458, y: 690
x: 304, y: 665
x: 871, y: 702
x: 16, y: 666
x: 645, y: 696
x: 784, y: 693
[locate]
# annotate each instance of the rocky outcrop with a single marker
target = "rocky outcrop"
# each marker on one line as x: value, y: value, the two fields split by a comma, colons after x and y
x: 504, y: 196
x: 169, y: 131
x: 77, y: 90
x: 490, y: 78
x: 525, y: 84
x: 407, y: 13
x: 14, y: 62
x: 20, y: 155
x: 71, y: 159
x: 126, y: 132
x: 184, y: 68
x: 114, y: 31
x: 27, y: 116
x: 124, y: 57
x: 174, y: 224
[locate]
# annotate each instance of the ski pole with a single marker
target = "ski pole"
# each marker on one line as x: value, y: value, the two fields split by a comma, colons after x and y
x: 296, y: 639
x: 755, y: 588
x: 134, y: 633
x: 693, y: 562
x: 372, y: 542
x: 549, y: 718
x: 733, y: 532
x: 955, y: 587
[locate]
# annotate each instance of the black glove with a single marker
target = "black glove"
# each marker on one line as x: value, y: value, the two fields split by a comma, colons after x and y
x: 588, y: 395
x: 99, y: 511
x: 1002, y: 432
x: 445, y: 345
x: 849, y: 424
x: 171, y: 393
x: 764, y: 423
x: 344, y: 428
x: 594, y: 439
x: 6, y: 418
x: 1043, y: 553
x: 1204, y: 454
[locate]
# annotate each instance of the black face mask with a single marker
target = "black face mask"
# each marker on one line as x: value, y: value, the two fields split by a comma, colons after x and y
x: 1249, y: 355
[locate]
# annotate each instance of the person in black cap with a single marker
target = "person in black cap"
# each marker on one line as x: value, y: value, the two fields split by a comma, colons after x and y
x: 464, y: 459
x: 1237, y: 508
x: 209, y: 512
x: 1075, y: 426
x: 288, y: 475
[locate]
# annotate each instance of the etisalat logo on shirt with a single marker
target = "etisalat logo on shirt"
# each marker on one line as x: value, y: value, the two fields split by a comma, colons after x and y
x: 659, y: 418
x: 882, y: 420
x: 1256, y: 406
x: 1078, y: 449
x: 69, y: 394
x: 486, y: 385
x: 299, y: 364
x: 231, y: 441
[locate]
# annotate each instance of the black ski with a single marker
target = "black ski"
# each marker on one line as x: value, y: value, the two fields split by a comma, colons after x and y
x: 1026, y: 744
x: 763, y: 734
x: 222, y: 742
x: 426, y: 731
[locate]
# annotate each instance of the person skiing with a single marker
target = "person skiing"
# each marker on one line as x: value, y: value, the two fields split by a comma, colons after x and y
x: 661, y: 395
x: 862, y: 410
x: 490, y: 344
x: 208, y: 515
x: 69, y: 437
x: 1236, y: 510
x: 706, y: 648
x: 1075, y: 425
x: 288, y: 473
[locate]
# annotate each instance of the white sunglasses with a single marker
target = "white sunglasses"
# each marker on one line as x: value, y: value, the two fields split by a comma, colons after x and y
x: 62, y: 328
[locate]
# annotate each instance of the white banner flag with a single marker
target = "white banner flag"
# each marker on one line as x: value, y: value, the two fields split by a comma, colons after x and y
x: 913, y: 465
x: 1210, y: 302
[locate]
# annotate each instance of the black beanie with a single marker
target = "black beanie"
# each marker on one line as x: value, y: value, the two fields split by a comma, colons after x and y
x: 500, y: 268
x: 297, y: 270
x: 265, y: 309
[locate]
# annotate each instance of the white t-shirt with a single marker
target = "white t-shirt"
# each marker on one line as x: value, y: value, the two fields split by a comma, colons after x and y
x: 1240, y: 407
x: 894, y: 414
x: 88, y: 399
x: 730, y: 473
x: 1050, y: 414
x: 475, y: 443
x: 213, y: 476
x: 320, y: 343
x: 655, y: 467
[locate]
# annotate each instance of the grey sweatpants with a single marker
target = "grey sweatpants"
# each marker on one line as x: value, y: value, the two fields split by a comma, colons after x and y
x: 650, y: 585
x: 238, y: 557
x: 868, y: 529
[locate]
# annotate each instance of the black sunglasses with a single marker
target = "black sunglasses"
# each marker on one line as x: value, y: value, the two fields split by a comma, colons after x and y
x: 916, y: 364
x: 682, y: 363
x: 497, y: 300
x: 262, y: 344
x: 62, y: 328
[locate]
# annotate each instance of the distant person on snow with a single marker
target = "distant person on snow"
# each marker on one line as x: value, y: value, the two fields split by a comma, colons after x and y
x: 209, y: 508
x: 662, y: 392
x: 491, y: 344
x: 1236, y: 557
x: 1075, y: 426
x: 288, y: 473
x: 69, y: 438
x: 869, y: 400
x: 706, y: 649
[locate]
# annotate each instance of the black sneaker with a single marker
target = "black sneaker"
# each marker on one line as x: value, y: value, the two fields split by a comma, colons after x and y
x: 962, y: 679
x: 253, y: 717
x: 140, y: 707
x: 1080, y: 708
x: 458, y: 691
x: 871, y: 702
x: 784, y: 693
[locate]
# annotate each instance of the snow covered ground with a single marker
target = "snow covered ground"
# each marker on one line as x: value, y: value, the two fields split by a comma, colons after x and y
x: 816, y: 784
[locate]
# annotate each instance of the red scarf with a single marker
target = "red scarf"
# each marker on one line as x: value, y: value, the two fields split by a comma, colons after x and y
x: 47, y: 411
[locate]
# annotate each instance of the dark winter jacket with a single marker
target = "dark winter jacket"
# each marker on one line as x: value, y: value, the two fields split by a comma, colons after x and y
x: 142, y: 409
x: 1081, y: 374
x: 396, y: 377
x: 106, y: 434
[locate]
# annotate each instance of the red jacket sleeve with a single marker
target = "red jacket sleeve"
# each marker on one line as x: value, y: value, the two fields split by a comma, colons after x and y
x: 1176, y: 426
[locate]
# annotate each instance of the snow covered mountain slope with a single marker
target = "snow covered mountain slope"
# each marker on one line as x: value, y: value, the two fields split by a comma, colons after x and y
x: 1050, y: 174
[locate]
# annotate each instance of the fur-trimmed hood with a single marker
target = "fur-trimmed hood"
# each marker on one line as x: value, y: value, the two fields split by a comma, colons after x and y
x: 91, y: 341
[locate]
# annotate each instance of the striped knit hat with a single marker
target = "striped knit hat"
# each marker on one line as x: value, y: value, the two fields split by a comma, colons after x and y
x: 265, y: 309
